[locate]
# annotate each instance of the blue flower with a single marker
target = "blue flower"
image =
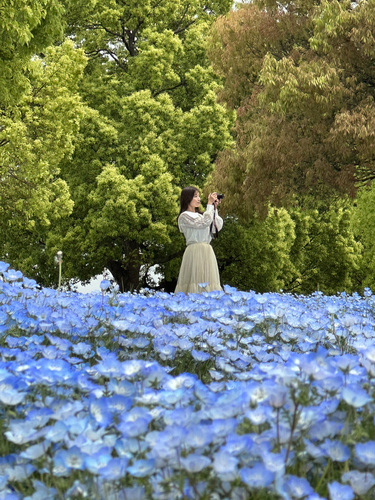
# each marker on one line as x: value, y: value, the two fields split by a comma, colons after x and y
x: 135, y: 428
x: 366, y: 452
x: 142, y: 468
x: 199, y: 436
x: 96, y: 461
x: 35, y: 451
x: 336, y: 450
x: 224, y: 463
x: 3, y: 267
x: 99, y: 410
x: 339, y: 491
x: 200, y: 355
x: 298, y: 487
x: 195, y: 463
x: 105, y: 285
x: 21, y: 432
x: 360, y: 482
x: 115, y: 469
x: 41, y: 491
x: 12, y: 275
x: 72, y: 458
x: 57, y: 432
x: 355, y: 396
x: 257, y: 476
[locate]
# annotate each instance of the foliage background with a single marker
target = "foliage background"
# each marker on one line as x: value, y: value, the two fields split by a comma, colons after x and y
x: 108, y: 110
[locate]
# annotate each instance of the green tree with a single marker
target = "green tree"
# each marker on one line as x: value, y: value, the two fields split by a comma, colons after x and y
x: 299, y: 75
x: 256, y: 255
x: 27, y: 27
x: 304, y: 100
x: 154, y: 127
x: 299, y: 250
x: 326, y: 254
x: 36, y: 134
x: 363, y: 223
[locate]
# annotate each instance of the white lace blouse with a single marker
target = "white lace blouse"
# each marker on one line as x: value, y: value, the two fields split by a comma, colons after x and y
x: 196, y: 227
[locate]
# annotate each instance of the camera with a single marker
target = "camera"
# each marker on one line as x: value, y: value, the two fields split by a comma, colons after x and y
x: 220, y: 196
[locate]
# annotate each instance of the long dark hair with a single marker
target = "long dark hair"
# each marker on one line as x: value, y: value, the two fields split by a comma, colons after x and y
x: 187, y: 194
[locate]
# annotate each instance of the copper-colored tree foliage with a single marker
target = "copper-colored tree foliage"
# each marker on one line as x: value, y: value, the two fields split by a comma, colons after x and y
x: 301, y: 76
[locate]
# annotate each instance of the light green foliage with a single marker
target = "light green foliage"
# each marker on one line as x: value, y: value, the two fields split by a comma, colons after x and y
x: 36, y: 134
x: 299, y: 250
x: 256, y: 256
x: 26, y: 28
x: 153, y: 127
x: 363, y: 222
x: 93, y: 162
x: 299, y: 76
x: 325, y: 252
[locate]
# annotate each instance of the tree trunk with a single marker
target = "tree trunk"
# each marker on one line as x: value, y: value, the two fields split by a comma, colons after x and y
x: 126, y: 272
x: 127, y: 277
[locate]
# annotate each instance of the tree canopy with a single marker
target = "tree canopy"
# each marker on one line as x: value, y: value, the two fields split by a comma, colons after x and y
x: 40, y: 110
x: 145, y: 122
x: 300, y: 75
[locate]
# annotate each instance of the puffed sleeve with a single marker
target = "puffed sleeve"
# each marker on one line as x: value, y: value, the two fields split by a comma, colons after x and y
x: 186, y: 220
x: 218, y: 221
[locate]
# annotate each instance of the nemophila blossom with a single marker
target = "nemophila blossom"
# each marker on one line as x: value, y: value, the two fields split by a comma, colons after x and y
x: 41, y: 491
x: 132, y: 368
x: 337, y: 451
x: 119, y: 404
x: 194, y: 463
x: 100, y: 412
x: 63, y: 409
x: 134, y: 428
x: 127, y: 447
x: 20, y: 432
x: 20, y: 471
x: 338, y: 491
x: 105, y: 285
x: 298, y: 487
x: 35, y: 451
x: 115, y: 469
x: 98, y: 460
x: 314, y: 450
x: 257, y: 476
x: 56, y: 432
x: 12, y: 275
x: 325, y: 428
x: 82, y: 349
x: 274, y: 462
x: 3, y: 267
x: 361, y: 482
x: 355, y: 396
x: 277, y: 396
x: 65, y: 460
x: 366, y: 452
x: 237, y: 445
x: 259, y: 415
x: 225, y: 464
x: 198, y: 436
x: 200, y: 355
x: 142, y: 468
x: 11, y: 391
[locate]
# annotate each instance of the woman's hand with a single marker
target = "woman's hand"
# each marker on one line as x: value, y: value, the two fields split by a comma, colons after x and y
x: 212, y: 199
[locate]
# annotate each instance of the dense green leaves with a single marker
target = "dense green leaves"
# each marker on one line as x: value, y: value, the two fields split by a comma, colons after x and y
x: 26, y: 28
x: 145, y: 124
x: 36, y: 134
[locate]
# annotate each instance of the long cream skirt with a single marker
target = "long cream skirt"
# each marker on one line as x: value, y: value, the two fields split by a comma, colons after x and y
x: 198, y: 267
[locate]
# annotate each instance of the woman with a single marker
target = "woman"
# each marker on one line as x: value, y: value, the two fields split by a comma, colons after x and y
x: 199, y: 265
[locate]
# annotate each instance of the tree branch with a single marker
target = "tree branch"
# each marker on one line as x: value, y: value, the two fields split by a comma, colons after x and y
x: 154, y: 94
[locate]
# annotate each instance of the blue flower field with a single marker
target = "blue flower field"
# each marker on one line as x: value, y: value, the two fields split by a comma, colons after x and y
x: 222, y: 395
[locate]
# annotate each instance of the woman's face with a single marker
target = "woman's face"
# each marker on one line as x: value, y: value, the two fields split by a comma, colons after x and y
x: 196, y: 201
